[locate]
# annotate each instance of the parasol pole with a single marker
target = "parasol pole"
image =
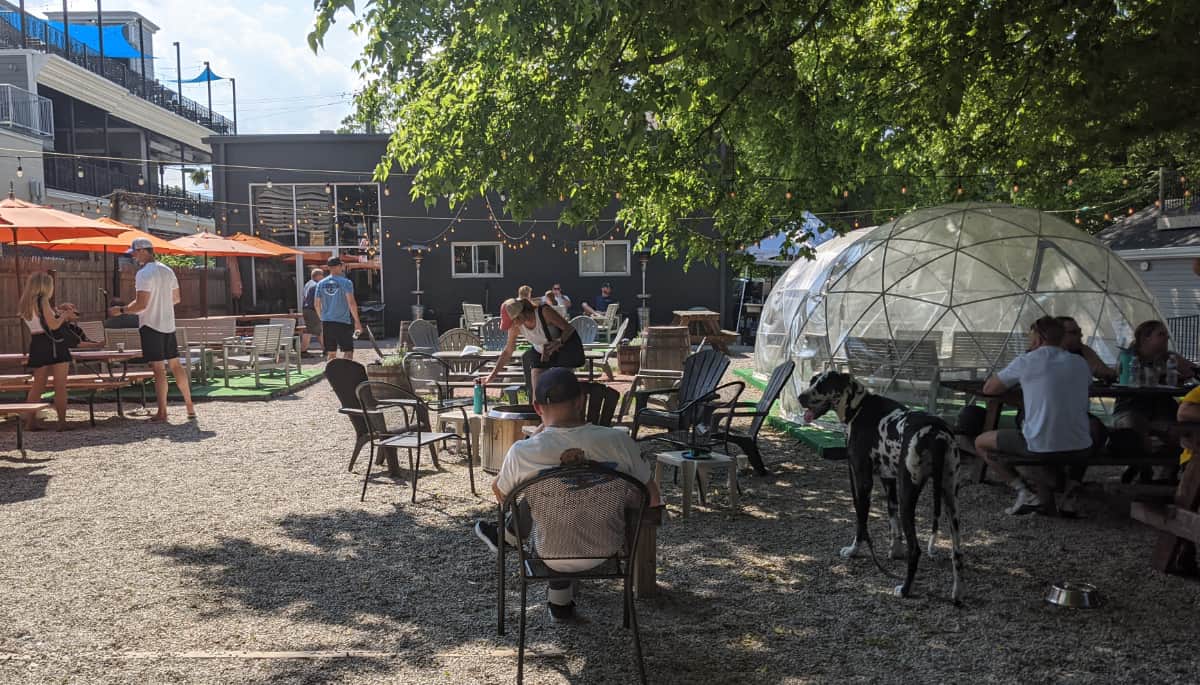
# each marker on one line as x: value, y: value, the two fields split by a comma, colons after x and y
x: 204, y: 286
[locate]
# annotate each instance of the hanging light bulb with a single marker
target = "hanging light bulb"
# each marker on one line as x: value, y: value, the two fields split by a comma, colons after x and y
x: 959, y: 190
x: 617, y: 195
x: 387, y: 191
x: 904, y: 190
x: 788, y: 195
x: 141, y: 179
x: 79, y: 170
x: 845, y: 193
x: 269, y: 184
x: 1070, y: 182
x: 1078, y: 221
x: 20, y: 170
x: 1016, y: 187
x: 1107, y: 216
x: 1131, y: 211
x: 561, y: 197
x: 328, y: 189
x: 1124, y: 181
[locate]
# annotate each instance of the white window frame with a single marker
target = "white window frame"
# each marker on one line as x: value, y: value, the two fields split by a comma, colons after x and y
x: 603, y: 244
x: 473, y: 244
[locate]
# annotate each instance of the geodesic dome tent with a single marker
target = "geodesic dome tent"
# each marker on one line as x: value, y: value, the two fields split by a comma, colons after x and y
x: 943, y: 291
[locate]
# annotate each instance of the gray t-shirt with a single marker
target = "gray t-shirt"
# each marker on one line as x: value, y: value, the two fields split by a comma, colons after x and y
x: 1054, y: 383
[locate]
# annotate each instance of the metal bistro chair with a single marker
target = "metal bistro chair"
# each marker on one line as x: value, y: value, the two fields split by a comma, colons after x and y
x: 375, y: 398
x: 493, y: 338
x: 424, y: 336
x: 757, y: 412
x: 455, y: 339
x: 582, y: 513
x: 586, y: 328
x: 695, y: 393
x: 430, y: 378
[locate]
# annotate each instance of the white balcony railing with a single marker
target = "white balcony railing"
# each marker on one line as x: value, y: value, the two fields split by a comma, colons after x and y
x: 25, y: 111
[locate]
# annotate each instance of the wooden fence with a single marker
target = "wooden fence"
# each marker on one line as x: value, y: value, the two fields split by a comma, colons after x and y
x: 78, y: 280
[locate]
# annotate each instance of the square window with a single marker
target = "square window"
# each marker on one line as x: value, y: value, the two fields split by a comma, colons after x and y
x: 477, y: 260
x: 604, y: 258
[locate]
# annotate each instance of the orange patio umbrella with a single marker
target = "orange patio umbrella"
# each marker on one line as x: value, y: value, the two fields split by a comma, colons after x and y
x: 210, y: 245
x: 106, y: 244
x: 270, y: 246
x: 24, y: 222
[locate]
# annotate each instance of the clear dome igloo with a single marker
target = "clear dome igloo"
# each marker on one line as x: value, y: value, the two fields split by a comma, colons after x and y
x: 941, y: 291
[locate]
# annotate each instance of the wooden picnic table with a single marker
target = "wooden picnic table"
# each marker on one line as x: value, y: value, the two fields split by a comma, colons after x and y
x: 703, y: 324
x: 258, y: 318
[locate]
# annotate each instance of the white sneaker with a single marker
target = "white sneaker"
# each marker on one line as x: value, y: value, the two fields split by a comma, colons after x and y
x: 1027, y: 502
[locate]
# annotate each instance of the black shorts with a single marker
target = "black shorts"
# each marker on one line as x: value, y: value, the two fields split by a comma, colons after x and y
x: 45, y: 352
x: 569, y: 356
x: 158, y: 346
x: 336, y: 335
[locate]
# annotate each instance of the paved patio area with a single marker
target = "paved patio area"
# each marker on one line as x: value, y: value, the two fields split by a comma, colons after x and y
x: 235, y: 549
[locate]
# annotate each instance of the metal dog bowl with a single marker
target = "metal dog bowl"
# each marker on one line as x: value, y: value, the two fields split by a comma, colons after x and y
x: 1074, y: 595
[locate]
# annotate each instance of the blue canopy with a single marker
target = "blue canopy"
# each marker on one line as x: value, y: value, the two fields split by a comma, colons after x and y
x: 769, y: 250
x: 206, y: 75
x: 115, y: 45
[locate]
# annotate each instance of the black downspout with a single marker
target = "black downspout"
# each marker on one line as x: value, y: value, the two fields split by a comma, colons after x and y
x: 142, y: 52
x: 24, y: 30
x: 71, y: 139
x: 66, y: 32
x: 233, y: 82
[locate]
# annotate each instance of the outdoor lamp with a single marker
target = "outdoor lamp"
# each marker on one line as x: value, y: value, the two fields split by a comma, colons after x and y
x: 20, y: 170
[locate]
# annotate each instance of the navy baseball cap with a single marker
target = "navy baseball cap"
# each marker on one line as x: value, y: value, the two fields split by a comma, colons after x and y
x: 557, y: 385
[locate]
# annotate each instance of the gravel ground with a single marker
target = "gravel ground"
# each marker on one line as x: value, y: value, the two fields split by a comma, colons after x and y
x: 143, y: 553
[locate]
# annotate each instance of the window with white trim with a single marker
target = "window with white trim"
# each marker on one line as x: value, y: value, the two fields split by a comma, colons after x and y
x: 604, y: 258
x: 477, y: 260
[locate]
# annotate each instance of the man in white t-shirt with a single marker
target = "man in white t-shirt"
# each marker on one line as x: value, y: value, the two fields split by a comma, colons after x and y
x: 157, y: 294
x: 559, y: 401
x: 1054, y: 385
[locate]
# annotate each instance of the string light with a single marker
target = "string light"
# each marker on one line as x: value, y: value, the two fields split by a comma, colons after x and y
x: 328, y: 189
x: 1016, y: 188
x: 1070, y: 182
x: 141, y: 179
x: 787, y: 195
x: 20, y: 169
x: 845, y: 193
x: 904, y: 190
x: 269, y: 183
x: 79, y: 170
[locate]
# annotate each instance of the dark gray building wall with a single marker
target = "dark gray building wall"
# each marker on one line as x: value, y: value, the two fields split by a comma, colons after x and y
x: 538, y: 265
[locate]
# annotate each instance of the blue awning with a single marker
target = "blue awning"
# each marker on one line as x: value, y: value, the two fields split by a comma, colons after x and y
x: 206, y: 75
x: 51, y: 32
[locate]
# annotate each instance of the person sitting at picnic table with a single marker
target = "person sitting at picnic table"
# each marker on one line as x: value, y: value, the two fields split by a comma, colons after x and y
x: 1073, y: 343
x: 553, y: 341
x: 559, y: 298
x: 600, y: 302
x: 49, y: 354
x: 559, y: 401
x: 312, y: 321
x: 1054, y: 386
x: 1150, y: 415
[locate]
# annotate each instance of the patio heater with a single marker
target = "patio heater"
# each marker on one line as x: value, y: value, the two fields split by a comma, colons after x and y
x: 643, y: 309
x: 418, y: 253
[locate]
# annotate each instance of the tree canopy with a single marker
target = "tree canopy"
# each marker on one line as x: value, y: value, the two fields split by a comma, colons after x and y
x: 715, y: 122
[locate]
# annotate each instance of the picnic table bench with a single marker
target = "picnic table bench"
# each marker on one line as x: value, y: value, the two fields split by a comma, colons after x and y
x: 21, y: 410
x: 90, y: 384
x: 1178, y: 522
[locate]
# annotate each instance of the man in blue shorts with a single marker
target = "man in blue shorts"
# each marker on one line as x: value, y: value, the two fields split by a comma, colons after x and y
x: 338, y: 311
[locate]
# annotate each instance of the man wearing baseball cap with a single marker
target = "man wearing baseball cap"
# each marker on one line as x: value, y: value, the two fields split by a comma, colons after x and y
x: 338, y: 311
x: 558, y: 399
x: 157, y: 294
x: 600, y: 302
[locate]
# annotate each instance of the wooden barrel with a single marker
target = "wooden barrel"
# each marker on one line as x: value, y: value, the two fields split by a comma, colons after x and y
x: 665, y: 347
x: 501, y: 428
x: 629, y: 359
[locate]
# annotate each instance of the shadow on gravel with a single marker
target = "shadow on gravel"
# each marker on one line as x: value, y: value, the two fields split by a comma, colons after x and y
x: 420, y: 590
x: 22, y: 483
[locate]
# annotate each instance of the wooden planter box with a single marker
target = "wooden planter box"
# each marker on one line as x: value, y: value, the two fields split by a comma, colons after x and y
x: 629, y: 359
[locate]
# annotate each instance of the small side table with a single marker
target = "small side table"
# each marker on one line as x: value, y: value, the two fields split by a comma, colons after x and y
x: 688, y: 467
x: 475, y: 424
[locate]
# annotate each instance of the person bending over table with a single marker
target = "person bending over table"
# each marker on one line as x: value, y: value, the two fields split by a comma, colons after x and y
x: 1054, y: 384
x: 553, y: 340
x: 559, y: 401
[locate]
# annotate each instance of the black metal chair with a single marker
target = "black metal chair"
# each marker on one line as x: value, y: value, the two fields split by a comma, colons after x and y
x: 696, y: 392
x: 757, y: 411
x: 376, y: 398
x: 430, y: 377
x: 600, y: 403
x: 344, y: 376
x: 582, y: 512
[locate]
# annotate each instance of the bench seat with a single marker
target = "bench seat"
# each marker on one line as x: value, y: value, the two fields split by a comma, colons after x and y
x: 1100, y: 458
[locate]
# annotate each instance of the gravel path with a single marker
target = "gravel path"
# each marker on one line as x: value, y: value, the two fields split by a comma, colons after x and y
x: 143, y: 553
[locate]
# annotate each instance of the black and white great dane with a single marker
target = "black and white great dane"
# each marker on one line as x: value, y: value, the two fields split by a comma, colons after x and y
x: 904, y: 448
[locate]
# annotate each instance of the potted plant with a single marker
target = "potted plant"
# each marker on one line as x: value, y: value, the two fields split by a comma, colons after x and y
x: 628, y: 355
x: 390, y: 370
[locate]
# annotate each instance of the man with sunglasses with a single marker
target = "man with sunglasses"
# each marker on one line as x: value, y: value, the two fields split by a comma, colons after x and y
x: 563, y: 300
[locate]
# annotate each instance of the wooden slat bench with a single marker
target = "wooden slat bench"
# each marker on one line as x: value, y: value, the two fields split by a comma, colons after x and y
x: 89, y: 384
x: 1179, y: 522
x: 21, y: 410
